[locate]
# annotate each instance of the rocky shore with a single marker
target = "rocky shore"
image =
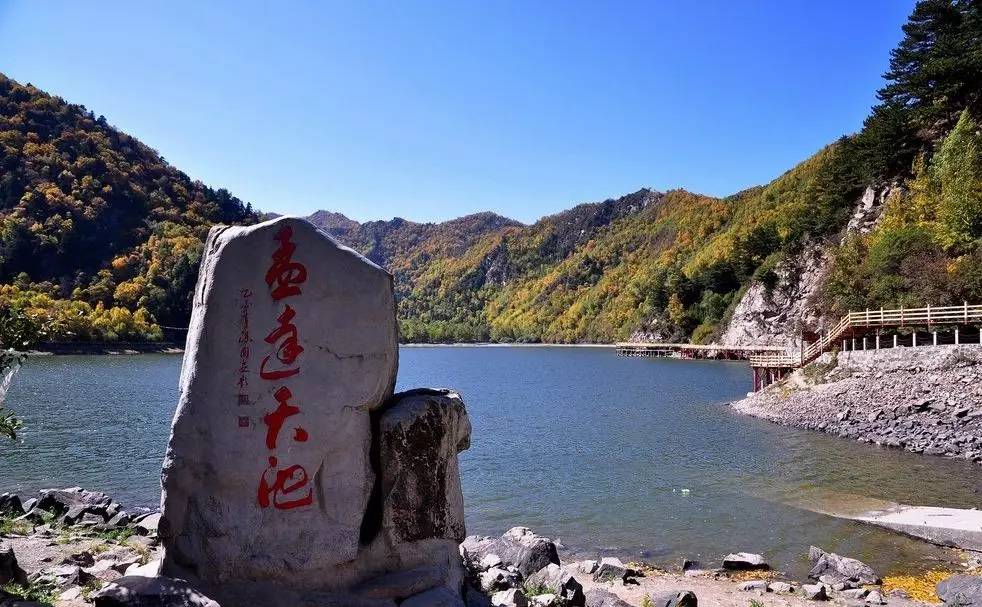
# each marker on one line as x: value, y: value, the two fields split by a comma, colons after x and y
x: 925, y: 400
x: 76, y: 548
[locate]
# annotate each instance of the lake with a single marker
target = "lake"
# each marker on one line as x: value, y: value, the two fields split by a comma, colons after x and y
x: 629, y: 456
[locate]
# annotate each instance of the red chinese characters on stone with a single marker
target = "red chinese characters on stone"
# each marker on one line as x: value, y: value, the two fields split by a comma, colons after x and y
x: 286, y: 488
x: 286, y: 491
x: 285, y: 272
x: 274, y: 421
x: 287, y: 350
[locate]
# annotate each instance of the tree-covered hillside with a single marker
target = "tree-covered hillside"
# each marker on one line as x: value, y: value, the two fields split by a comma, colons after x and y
x: 100, y: 238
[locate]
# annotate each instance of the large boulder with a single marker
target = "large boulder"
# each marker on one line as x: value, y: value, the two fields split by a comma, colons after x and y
x: 832, y: 568
x: 420, y: 435
x: 671, y: 598
x: 961, y: 591
x: 292, y: 345
x: 611, y: 569
x: 518, y: 547
x: 10, y: 571
x: 10, y: 504
x: 138, y: 591
x: 560, y: 582
x: 738, y: 561
x: 598, y: 597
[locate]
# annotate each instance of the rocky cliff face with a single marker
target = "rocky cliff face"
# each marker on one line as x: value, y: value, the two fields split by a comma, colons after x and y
x: 777, y: 316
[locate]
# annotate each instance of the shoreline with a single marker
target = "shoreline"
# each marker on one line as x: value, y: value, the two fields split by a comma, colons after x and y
x: 926, y: 400
x: 82, y: 541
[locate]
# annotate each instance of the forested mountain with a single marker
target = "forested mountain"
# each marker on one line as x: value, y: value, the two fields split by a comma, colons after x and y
x: 100, y: 238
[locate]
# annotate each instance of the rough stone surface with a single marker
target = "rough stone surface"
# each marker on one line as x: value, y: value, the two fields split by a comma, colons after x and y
x: 559, y: 581
x: 518, y: 547
x: 141, y: 591
x: 744, y: 561
x: 509, y: 598
x: 599, y: 597
x: 611, y: 569
x: 10, y: 504
x: 926, y: 399
x: 815, y: 592
x: 420, y: 437
x: 284, y: 320
x: 684, y: 598
x: 753, y: 586
x: 961, y: 591
x: 832, y: 568
x: 10, y: 571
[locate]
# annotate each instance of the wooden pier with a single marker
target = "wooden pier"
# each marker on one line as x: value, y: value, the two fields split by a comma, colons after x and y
x: 866, y: 330
x: 712, y: 351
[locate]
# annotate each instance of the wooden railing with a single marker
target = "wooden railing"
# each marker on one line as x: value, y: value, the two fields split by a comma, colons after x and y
x: 929, y: 316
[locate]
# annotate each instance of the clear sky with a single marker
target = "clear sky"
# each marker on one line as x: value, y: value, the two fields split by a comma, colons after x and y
x: 431, y: 110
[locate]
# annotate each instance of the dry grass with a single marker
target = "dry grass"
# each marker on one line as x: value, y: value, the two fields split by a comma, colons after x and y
x: 753, y: 574
x: 918, y: 587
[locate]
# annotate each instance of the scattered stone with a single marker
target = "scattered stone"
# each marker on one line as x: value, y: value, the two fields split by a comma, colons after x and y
x: 611, y: 569
x: 151, y: 569
x: 753, y: 585
x: 588, y: 566
x: 780, y: 588
x: 73, y: 593
x: 839, y: 568
x: 545, y: 600
x: 875, y: 597
x: 139, y: 591
x: 489, y: 561
x: 855, y: 593
x: 508, y: 598
x: 518, y: 547
x: 814, y: 592
x: 744, y: 561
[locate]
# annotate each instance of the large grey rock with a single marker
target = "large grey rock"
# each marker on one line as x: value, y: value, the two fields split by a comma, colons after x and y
x: 10, y: 571
x: 744, y: 561
x: 420, y: 435
x: 611, y: 569
x: 814, y: 592
x: 518, y: 547
x: 60, y: 501
x: 833, y: 568
x: 402, y: 584
x: 509, y: 598
x: 684, y: 598
x: 10, y: 504
x: 598, y: 597
x: 559, y: 581
x: 961, y: 591
x: 150, y: 592
x: 292, y: 345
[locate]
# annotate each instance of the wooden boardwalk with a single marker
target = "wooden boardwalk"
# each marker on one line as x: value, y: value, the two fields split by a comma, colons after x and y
x: 869, y: 327
x: 715, y: 351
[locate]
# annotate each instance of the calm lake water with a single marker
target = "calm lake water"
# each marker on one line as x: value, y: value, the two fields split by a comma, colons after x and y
x: 637, y: 457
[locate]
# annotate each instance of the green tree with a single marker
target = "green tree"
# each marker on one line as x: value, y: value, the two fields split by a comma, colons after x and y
x: 957, y: 170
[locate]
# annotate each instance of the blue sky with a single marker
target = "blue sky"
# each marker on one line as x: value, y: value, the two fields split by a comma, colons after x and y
x: 432, y: 110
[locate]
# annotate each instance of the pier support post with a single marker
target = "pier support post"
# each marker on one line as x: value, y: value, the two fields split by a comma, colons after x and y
x: 877, y: 340
x: 864, y: 342
x: 894, y: 340
x: 913, y: 339
x: 854, y: 343
x: 956, y: 336
x: 935, y: 338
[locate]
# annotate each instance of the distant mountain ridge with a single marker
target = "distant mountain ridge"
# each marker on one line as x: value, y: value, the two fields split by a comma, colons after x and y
x: 100, y: 238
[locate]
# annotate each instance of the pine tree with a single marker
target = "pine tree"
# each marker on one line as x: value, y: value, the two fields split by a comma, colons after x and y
x: 936, y: 71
